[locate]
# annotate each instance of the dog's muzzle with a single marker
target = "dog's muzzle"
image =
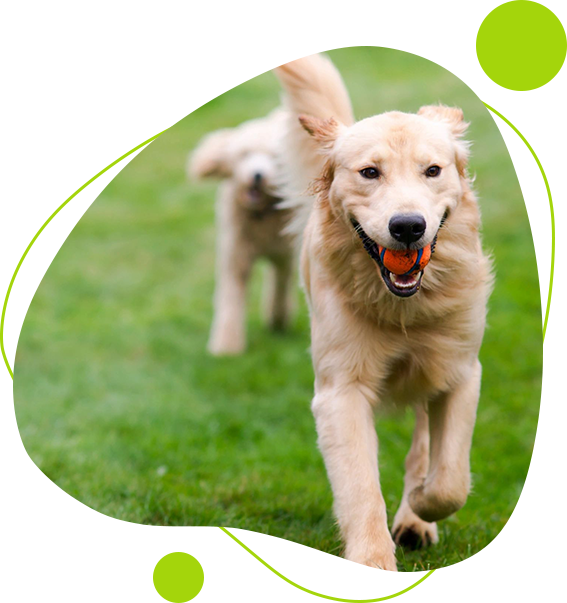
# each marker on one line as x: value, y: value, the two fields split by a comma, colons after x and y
x: 404, y: 285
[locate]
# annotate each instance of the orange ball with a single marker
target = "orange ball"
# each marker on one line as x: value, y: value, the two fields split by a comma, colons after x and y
x: 405, y: 261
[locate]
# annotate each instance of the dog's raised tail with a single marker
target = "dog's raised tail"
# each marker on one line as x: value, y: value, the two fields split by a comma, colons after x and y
x: 313, y: 87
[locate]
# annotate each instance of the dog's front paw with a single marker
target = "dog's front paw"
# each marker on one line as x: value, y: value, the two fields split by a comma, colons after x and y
x: 226, y: 346
x: 412, y: 532
x: 378, y: 555
x: 379, y: 566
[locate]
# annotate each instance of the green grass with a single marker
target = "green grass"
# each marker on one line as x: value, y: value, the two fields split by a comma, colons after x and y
x: 118, y: 403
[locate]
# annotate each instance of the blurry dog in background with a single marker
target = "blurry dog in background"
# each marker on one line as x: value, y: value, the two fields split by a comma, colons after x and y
x: 249, y: 226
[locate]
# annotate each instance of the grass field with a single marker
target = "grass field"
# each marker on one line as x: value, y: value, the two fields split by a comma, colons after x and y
x: 118, y: 403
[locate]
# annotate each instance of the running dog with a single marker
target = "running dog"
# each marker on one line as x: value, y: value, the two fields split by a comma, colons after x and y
x: 394, y: 181
x: 249, y: 225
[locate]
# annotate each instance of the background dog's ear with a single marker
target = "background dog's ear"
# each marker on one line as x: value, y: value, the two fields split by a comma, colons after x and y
x: 454, y: 119
x: 324, y: 131
x: 211, y: 158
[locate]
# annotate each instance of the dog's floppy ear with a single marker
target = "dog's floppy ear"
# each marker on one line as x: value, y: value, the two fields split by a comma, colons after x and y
x: 211, y: 159
x: 452, y: 116
x: 454, y: 119
x: 324, y: 131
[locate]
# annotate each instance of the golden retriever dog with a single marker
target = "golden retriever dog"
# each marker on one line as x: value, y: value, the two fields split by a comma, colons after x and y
x: 249, y: 225
x: 398, y: 181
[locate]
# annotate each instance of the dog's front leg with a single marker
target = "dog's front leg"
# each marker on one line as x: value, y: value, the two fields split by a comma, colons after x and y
x: 228, y: 331
x: 347, y: 439
x: 451, y: 422
x: 409, y: 530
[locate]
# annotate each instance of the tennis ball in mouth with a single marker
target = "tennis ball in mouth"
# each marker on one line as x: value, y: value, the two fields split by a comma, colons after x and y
x: 405, y: 261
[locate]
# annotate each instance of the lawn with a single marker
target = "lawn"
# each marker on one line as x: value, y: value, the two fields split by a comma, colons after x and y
x: 118, y: 403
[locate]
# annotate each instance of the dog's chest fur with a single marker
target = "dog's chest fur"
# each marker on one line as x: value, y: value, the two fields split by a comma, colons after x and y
x: 263, y: 231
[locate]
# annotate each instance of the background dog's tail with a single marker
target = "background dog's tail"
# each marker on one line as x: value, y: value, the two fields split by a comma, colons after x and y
x: 312, y: 86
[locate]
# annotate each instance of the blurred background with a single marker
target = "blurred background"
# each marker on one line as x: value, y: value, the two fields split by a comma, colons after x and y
x: 119, y: 404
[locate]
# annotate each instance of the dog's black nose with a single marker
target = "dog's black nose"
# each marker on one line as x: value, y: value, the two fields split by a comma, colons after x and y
x: 407, y: 228
x: 257, y: 179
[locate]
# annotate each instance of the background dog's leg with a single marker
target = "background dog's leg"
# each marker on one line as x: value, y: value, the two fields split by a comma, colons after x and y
x: 408, y: 529
x: 228, y: 331
x: 278, y: 293
x: 451, y: 422
x: 347, y: 439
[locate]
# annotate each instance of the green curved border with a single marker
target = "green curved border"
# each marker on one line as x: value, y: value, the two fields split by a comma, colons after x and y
x: 16, y: 293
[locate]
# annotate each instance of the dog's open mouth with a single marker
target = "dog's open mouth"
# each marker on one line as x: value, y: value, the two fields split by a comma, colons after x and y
x: 402, y: 285
x: 255, y: 195
x: 259, y: 199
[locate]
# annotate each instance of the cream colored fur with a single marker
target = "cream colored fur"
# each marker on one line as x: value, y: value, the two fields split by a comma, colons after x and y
x: 248, y: 227
x: 369, y: 346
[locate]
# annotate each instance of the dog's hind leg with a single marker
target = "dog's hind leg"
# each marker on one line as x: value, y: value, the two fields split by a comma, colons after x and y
x: 451, y: 423
x: 278, y: 293
x: 409, y: 530
x: 347, y: 439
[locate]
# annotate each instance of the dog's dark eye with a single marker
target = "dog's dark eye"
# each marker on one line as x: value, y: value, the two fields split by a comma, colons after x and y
x: 370, y: 173
x: 432, y: 171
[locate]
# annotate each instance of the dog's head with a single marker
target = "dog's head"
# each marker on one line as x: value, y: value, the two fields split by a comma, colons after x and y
x: 245, y: 154
x: 394, y: 178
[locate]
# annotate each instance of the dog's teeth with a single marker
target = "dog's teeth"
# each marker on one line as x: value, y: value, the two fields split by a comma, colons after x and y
x: 407, y: 284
